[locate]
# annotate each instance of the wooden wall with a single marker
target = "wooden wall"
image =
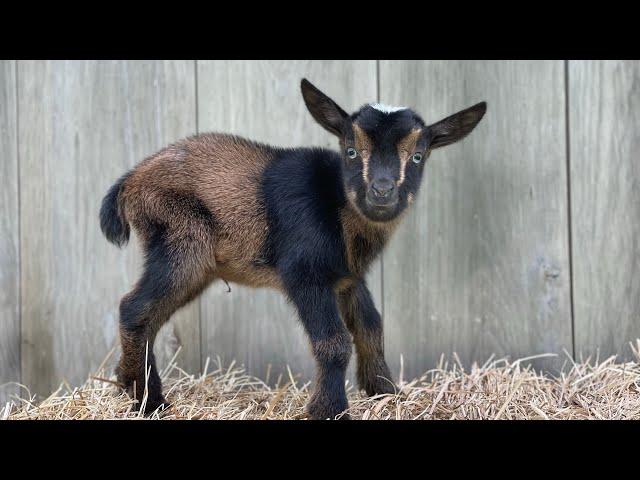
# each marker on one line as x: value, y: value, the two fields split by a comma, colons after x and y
x: 482, y: 266
x: 524, y: 239
x: 9, y: 234
x: 604, y: 119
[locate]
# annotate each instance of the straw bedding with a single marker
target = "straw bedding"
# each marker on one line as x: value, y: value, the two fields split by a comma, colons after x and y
x: 499, y: 389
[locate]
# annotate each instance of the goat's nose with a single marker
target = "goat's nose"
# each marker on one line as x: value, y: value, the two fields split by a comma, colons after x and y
x: 383, y: 187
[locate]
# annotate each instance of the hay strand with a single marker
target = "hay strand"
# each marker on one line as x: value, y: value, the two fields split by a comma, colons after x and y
x: 498, y: 389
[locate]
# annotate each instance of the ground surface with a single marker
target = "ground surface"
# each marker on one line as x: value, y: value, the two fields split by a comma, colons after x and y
x: 497, y: 390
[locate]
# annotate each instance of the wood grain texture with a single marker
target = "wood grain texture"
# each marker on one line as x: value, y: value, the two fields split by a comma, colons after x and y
x: 9, y: 236
x: 604, y: 99
x: 261, y: 100
x: 82, y: 125
x: 480, y: 266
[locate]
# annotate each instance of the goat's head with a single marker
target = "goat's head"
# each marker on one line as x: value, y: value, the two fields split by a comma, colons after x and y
x: 385, y: 149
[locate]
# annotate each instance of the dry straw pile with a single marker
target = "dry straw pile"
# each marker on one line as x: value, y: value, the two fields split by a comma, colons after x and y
x: 499, y: 389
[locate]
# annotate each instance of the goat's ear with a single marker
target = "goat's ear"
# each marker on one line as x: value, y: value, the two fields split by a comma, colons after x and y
x: 324, y: 110
x: 457, y: 126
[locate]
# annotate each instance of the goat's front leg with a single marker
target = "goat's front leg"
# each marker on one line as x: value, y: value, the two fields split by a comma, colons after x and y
x: 364, y: 322
x: 331, y: 346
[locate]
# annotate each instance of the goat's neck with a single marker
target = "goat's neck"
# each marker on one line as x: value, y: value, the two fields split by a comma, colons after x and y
x: 364, y: 239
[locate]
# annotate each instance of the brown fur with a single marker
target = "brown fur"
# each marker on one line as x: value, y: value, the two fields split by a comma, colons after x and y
x: 360, y: 233
x: 223, y: 172
x: 372, y: 372
x: 343, y: 284
x: 197, y: 204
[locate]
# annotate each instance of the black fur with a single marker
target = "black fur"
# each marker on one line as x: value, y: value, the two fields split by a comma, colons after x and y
x: 112, y: 220
x: 155, y: 282
x: 141, y: 315
x: 303, y: 196
x: 331, y: 343
x: 190, y: 206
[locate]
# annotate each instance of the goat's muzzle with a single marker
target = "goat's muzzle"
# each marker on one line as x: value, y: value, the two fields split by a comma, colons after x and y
x: 382, y: 193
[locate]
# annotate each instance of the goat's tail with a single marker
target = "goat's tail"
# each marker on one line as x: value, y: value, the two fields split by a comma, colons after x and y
x: 113, y: 222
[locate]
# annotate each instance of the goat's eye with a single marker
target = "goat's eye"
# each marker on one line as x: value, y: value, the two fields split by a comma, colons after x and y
x: 417, y: 158
x: 351, y: 152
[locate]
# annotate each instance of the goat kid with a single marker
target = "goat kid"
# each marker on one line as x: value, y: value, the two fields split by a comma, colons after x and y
x: 306, y: 221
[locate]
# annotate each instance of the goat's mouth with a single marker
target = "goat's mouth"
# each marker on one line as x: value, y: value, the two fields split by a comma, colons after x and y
x: 381, y: 203
x: 373, y: 210
x: 381, y: 206
x: 380, y: 212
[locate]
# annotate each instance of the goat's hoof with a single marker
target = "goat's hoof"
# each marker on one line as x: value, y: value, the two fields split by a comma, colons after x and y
x: 380, y: 386
x: 375, y: 379
x: 327, y: 410
x: 124, y: 380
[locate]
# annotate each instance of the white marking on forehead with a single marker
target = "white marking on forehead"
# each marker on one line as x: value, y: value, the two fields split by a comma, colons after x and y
x: 386, y: 108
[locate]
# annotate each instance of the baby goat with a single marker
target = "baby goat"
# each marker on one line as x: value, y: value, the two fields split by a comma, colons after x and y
x: 305, y: 221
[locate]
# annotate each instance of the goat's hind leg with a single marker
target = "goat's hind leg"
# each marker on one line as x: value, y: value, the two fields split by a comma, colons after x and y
x: 137, y: 371
x: 171, y: 278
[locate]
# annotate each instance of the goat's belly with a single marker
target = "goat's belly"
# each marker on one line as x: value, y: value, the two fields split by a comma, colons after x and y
x: 238, y: 252
x: 248, y: 275
x: 256, y: 277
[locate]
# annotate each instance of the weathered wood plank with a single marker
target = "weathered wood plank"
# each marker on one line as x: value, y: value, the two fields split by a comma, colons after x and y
x: 9, y: 235
x: 480, y: 265
x: 261, y: 100
x: 604, y: 121
x: 83, y: 124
